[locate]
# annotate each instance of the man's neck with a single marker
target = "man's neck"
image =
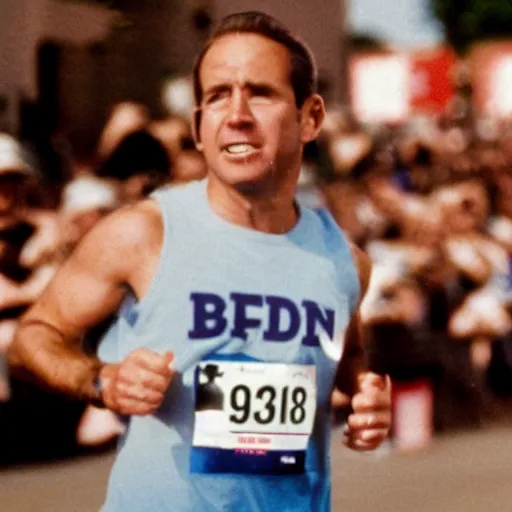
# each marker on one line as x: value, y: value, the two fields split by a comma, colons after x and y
x: 269, y: 212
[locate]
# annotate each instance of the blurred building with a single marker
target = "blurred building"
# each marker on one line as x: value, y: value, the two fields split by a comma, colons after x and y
x: 321, y: 25
x: 71, y: 60
x: 25, y: 25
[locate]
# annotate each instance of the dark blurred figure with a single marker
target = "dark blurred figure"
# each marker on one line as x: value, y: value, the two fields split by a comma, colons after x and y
x: 140, y: 163
x: 125, y: 118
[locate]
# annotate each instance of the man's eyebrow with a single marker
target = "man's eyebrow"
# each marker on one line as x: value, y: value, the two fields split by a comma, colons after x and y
x: 217, y: 88
x: 260, y: 87
x: 251, y: 85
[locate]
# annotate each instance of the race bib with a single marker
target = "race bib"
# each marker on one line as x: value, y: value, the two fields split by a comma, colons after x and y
x: 252, y: 417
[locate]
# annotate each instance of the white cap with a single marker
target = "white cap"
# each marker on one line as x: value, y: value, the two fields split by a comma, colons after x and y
x: 13, y: 158
x: 178, y: 96
x: 88, y: 193
x: 500, y: 228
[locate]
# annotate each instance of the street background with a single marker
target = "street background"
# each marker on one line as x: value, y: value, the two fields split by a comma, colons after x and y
x: 467, y: 472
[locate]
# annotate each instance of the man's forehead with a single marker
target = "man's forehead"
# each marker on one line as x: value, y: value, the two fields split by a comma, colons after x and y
x: 240, y: 56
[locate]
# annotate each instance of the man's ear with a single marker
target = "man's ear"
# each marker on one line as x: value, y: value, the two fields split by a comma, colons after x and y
x: 196, y: 122
x: 312, y: 114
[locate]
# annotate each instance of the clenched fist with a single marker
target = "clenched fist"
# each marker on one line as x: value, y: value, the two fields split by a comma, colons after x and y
x: 137, y: 385
x: 370, y: 421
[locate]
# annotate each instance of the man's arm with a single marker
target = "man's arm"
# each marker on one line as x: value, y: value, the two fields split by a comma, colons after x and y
x: 354, y: 359
x: 121, y: 251
x: 370, y: 394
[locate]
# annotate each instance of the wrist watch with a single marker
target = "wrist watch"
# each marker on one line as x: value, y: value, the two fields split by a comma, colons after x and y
x: 97, y: 385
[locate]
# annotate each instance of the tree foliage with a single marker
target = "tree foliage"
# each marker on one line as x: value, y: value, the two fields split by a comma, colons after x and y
x: 467, y: 21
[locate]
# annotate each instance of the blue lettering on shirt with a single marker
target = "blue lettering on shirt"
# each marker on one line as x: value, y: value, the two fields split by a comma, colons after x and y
x: 283, y: 318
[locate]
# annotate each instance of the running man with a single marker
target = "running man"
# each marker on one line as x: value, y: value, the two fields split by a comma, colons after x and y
x: 228, y: 274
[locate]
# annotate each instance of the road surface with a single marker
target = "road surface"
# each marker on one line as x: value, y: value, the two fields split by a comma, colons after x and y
x: 459, y: 472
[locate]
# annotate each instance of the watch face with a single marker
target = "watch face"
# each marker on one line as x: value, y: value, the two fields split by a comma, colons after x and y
x: 97, y: 385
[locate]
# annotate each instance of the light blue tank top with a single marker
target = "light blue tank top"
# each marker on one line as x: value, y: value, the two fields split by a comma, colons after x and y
x: 247, y: 315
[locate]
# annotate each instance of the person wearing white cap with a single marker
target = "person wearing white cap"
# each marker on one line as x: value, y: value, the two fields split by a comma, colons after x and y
x: 85, y: 200
x: 14, y: 159
x: 17, y: 173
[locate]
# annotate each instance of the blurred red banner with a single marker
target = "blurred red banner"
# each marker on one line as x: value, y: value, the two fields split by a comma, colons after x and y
x: 389, y: 87
x: 432, y: 86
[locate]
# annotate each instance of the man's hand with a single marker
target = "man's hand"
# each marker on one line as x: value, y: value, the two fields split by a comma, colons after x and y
x: 370, y: 422
x: 138, y: 384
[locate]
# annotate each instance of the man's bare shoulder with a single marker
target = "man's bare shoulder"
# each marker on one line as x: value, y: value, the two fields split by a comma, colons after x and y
x: 123, y: 240
x: 132, y: 225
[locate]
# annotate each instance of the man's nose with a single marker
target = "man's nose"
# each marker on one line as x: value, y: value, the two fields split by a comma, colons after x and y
x: 239, y: 113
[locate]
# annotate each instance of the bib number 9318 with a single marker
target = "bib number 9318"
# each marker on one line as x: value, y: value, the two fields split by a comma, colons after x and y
x: 270, y: 398
x: 252, y: 409
x: 267, y: 404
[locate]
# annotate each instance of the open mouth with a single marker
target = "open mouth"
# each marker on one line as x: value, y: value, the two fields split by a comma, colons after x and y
x: 240, y: 149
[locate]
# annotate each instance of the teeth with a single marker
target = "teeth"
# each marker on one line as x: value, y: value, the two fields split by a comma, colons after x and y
x: 239, y: 148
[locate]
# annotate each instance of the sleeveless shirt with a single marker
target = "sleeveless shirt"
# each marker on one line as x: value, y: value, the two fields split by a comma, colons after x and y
x: 256, y: 312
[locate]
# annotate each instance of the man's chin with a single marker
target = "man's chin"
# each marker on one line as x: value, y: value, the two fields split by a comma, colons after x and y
x: 255, y: 186
x: 245, y: 181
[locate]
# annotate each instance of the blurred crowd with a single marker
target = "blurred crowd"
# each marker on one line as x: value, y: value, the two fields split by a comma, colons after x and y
x: 41, y: 221
x: 430, y: 200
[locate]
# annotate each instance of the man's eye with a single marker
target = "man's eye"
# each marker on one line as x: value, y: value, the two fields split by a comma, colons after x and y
x: 216, y: 97
x: 261, y: 96
x: 260, y: 92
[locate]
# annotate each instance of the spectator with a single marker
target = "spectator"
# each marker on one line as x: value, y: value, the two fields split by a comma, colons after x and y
x: 125, y: 118
x: 86, y: 199
x: 140, y: 164
x: 175, y: 134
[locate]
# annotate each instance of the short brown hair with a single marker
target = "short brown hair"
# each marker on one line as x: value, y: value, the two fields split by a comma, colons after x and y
x: 303, y: 75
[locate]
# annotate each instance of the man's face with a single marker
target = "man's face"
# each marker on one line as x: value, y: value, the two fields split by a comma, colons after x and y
x: 250, y: 130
